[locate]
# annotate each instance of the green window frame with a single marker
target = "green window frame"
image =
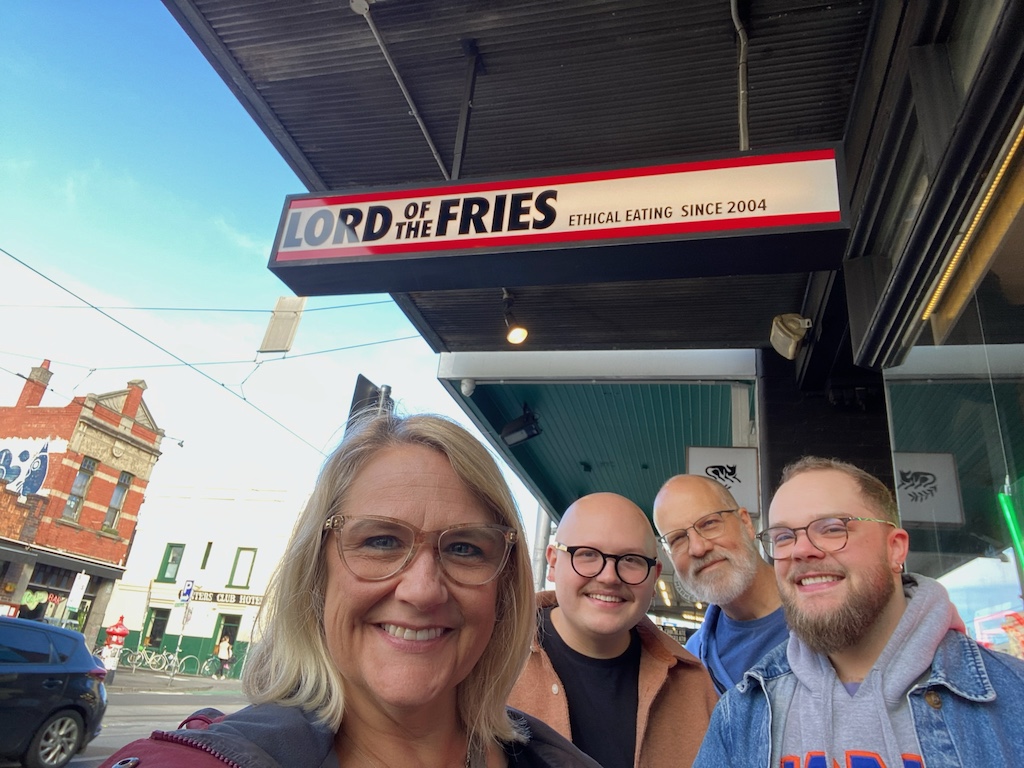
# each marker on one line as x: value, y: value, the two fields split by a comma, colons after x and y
x: 168, y: 572
x: 245, y: 559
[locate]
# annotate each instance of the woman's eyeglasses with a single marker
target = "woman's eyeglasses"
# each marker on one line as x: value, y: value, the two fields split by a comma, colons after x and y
x: 588, y: 562
x: 377, y: 548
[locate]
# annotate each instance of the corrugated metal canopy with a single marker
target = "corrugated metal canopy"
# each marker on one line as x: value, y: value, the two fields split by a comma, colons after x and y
x: 559, y: 87
x: 573, y: 84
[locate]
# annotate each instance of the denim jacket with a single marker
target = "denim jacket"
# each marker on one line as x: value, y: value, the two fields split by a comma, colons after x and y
x: 967, y: 713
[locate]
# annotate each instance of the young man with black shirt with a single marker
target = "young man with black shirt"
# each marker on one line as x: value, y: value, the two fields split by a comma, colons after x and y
x: 598, y: 658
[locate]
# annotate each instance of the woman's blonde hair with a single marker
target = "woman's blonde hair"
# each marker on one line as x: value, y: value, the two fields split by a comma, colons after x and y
x: 290, y: 664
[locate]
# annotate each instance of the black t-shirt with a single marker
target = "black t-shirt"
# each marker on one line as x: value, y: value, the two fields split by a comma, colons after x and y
x: 602, y: 696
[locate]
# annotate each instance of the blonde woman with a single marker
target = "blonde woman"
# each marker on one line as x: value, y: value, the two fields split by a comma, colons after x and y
x: 396, y: 623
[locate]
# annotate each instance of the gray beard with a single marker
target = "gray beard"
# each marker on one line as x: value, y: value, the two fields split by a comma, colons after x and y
x: 724, y: 590
x: 847, y: 626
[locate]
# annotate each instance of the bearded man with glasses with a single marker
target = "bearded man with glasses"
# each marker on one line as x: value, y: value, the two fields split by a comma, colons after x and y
x: 877, y: 670
x: 710, y: 539
x: 600, y: 672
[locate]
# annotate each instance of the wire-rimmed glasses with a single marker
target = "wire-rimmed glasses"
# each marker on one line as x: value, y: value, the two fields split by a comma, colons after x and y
x: 709, y: 527
x: 375, y: 548
x: 828, y: 534
x: 588, y: 562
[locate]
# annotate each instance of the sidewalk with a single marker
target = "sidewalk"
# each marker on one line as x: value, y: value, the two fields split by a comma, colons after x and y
x: 148, y: 681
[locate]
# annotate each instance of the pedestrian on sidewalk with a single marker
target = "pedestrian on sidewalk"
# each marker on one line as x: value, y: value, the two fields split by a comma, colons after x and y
x: 226, y: 657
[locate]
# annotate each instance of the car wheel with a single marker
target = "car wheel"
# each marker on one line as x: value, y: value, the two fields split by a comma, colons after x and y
x: 56, y: 741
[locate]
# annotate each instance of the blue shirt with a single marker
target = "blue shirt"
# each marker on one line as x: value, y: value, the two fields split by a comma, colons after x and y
x: 729, y: 648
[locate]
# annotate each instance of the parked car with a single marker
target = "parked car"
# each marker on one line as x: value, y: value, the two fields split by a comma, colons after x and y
x: 52, y: 697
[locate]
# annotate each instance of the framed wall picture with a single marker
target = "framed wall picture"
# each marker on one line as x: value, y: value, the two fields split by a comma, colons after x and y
x: 928, y: 489
x: 735, y: 468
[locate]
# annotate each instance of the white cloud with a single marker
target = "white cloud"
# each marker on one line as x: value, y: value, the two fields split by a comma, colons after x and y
x: 256, y: 245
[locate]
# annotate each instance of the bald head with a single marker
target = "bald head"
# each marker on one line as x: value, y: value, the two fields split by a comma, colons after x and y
x: 694, y: 492
x: 719, y: 564
x: 596, y: 612
x: 607, y: 517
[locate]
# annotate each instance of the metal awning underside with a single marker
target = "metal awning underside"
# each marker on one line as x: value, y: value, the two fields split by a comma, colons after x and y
x: 563, y: 86
x: 568, y: 85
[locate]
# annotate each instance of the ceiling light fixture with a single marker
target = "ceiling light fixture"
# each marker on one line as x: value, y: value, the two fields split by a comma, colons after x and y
x: 514, y: 332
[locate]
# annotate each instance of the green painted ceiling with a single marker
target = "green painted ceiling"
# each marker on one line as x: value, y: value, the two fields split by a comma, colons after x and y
x: 627, y: 438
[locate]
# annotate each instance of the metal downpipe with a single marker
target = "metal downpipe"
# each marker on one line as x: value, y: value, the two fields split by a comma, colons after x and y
x: 741, y: 76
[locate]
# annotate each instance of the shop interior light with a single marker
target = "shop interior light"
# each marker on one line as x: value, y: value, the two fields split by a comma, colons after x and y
x: 969, y: 235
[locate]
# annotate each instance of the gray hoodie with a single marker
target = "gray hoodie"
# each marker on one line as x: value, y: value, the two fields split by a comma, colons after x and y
x: 876, y: 720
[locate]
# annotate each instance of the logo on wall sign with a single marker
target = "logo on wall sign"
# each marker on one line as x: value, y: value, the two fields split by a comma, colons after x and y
x: 919, y: 485
x: 723, y: 473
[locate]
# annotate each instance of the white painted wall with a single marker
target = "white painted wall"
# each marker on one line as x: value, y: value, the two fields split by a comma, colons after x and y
x: 230, y: 518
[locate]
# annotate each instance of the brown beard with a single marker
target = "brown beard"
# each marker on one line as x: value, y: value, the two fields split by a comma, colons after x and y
x: 846, y: 626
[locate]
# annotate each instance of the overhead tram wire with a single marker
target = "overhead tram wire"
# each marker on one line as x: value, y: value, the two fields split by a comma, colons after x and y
x: 239, y: 310
x: 163, y: 349
x: 282, y: 359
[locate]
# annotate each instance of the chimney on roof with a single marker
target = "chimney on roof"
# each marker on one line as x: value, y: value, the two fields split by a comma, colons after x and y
x: 131, y: 403
x: 35, y: 385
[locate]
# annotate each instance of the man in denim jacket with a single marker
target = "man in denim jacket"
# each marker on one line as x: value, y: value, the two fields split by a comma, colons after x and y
x: 877, y: 670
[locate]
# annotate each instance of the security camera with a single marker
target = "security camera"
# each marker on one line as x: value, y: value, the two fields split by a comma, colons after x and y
x: 788, y: 332
x: 468, y: 387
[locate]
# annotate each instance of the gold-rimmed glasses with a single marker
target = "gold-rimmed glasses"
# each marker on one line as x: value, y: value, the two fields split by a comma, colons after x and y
x: 709, y: 527
x: 375, y: 548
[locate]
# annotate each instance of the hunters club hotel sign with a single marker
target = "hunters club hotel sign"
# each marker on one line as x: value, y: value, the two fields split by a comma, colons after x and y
x: 746, y: 214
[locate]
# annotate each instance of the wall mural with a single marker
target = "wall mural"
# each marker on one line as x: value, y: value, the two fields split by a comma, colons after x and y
x: 23, y: 465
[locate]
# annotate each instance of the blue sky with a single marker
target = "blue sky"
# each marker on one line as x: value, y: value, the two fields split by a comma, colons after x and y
x: 131, y: 176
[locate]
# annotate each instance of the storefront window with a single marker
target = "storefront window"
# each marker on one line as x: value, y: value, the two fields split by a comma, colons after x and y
x: 957, y: 424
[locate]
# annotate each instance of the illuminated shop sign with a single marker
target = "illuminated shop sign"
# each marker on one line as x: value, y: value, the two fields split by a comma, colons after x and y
x: 666, y: 202
x: 764, y: 214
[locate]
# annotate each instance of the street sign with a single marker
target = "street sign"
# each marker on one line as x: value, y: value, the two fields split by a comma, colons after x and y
x: 367, y: 396
x: 78, y: 591
x: 186, y: 593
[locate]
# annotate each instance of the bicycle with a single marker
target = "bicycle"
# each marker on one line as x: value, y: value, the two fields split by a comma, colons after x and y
x: 155, y: 660
x: 186, y: 665
x: 211, y: 667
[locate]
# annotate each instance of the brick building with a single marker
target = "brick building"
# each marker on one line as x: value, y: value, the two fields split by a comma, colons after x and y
x: 72, y: 482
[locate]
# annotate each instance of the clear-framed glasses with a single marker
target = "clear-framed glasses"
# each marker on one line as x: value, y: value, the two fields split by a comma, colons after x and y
x: 631, y: 568
x: 376, y: 548
x: 828, y: 534
x: 709, y: 527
